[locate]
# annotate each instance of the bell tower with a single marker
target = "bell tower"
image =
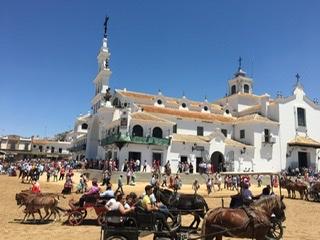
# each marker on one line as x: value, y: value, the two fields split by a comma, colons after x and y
x: 241, y: 83
x: 101, y: 81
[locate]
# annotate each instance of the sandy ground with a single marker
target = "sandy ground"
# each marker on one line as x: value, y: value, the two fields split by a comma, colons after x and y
x: 303, y: 218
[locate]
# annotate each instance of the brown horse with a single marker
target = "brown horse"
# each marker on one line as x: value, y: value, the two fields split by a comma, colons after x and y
x: 292, y: 187
x: 34, y: 202
x: 252, y: 222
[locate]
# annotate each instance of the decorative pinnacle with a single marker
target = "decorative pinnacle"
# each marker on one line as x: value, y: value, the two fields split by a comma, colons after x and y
x: 240, y: 63
x: 105, y: 26
x: 298, y: 77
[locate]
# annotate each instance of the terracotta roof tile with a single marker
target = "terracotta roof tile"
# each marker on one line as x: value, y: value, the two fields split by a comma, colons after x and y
x: 234, y: 143
x: 254, y: 118
x: 210, y: 117
x: 137, y: 95
x: 304, y: 141
x: 190, y: 138
x: 205, y: 140
x: 169, y: 100
x: 250, y: 110
x: 40, y: 141
x: 148, y: 117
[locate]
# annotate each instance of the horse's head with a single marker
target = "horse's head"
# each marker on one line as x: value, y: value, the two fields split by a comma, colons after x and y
x: 278, y: 207
x: 20, y: 198
x: 272, y: 205
x: 162, y: 194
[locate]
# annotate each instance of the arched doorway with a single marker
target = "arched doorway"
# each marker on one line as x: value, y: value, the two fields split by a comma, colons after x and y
x: 217, y: 162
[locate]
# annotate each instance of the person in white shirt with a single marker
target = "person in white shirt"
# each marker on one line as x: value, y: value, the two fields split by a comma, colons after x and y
x: 118, y: 204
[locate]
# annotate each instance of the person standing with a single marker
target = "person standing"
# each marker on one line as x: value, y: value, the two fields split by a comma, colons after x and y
x: 55, y: 175
x: 144, y: 166
x: 120, y: 185
x: 195, y: 186
x: 137, y: 165
x: 129, y: 174
x: 62, y: 173
x: 209, y: 185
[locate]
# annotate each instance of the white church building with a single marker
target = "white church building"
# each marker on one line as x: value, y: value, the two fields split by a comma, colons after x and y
x: 240, y: 131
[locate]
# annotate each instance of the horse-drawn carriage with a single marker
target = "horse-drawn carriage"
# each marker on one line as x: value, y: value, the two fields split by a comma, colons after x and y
x: 130, y: 226
x: 276, y: 230
x: 77, y: 214
x: 313, y: 192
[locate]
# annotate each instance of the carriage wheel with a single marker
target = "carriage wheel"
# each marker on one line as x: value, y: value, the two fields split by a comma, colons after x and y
x: 310, y: 196
x: 116, y: 237
x: 276, y: 231
x: 75, y: 218
x: 101, y: 219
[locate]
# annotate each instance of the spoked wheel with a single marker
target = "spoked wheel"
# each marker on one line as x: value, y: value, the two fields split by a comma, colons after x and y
x: 101, y: 219
x: 310, y: 196
x: 174, y: 221
x: 276, y: 231
x: 75, y: 218
x: 116, y: 237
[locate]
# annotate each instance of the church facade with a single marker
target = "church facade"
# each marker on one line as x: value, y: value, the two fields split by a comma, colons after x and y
x: 241, y: 131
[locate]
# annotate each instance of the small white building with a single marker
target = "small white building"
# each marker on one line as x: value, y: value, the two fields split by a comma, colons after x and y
x: 241, y: 131
x: 46, y: 148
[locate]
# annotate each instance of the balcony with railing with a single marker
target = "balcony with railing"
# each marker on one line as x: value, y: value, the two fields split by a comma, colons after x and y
x: 121, y: 138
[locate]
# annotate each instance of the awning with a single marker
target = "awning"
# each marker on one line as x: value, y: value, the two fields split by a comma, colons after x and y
x: 304, y: 142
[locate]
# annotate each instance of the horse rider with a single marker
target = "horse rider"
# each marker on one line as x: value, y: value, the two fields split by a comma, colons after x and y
x: 35, y: 186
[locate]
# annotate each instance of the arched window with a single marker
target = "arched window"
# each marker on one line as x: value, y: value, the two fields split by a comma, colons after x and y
x: 84, y: 126
x: 246, y: 88
x: 157, y: 132
x: 233, y: 89
x: 137, y: 130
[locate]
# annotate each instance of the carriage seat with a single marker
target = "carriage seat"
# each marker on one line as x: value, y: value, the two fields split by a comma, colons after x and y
x: 143, y: 217
x: 115, y: 218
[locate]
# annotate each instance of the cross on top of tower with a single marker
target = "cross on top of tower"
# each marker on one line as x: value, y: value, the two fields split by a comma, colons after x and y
x: 240, y: 72
x: 105, y: 26
x: 240, y: 63
x: 298, y: 77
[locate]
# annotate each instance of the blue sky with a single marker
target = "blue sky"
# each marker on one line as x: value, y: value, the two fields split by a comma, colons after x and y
x: 48, y: 52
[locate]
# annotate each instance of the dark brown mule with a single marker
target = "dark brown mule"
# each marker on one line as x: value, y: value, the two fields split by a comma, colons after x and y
x: 238, y: 223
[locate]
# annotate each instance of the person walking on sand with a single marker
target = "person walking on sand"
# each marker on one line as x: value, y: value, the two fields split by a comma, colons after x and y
x: 120, y: 185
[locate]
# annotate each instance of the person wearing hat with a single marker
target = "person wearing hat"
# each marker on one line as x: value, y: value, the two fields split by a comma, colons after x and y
x: 91, y: 195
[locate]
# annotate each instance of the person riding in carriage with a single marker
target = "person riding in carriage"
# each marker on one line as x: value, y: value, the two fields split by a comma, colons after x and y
x: 149, y: 207
x: 91, y: 195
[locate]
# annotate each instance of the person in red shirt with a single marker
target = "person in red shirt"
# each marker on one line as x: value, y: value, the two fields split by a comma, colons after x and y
x: 35, y: 187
